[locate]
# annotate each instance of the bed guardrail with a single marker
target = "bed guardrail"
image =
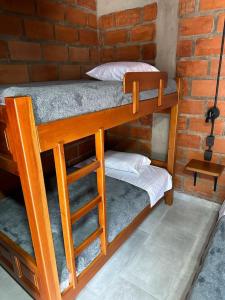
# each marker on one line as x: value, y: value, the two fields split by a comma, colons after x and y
x: 136, y: 82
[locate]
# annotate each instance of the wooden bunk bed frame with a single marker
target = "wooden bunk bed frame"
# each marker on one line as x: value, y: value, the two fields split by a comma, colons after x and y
x: 22, y: 143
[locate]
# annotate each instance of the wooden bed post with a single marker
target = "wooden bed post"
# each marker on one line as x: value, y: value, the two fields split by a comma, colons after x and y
x: 172, y: 143
x: 25, y: 138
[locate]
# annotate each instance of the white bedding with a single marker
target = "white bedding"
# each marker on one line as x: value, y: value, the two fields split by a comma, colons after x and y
x: 155, y: 181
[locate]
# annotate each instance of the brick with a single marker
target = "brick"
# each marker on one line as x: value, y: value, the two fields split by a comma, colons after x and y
x: 215, y: 66
x: 55, y: 53
x: 221, y: 106
x: 145, y: 148
x: 210, y: 46
x: 66, y: 34
x: 203, y: 188
x: 3, y: 50
x: 122, y: 130
x: 88, y: 37
x: 192, y: 68
x: 140, y: 133
x: 11, y: 25
x: 150, y: 12
x: 221, y: 22
x: 69, y: 72
x: 76, y: 16
x: 192, y: 107
x: 51, y: 10
x: 219, y: 145
x: 143, y: 33
x: 212, y: 4
x: 107, y: 21
x: 184, y: 48
x: 186, y: 7
x: 149, y: 52
x: 199, y: 125
x: 128, y: 52
x: 182, y: 123
x: 128, y: 17
x: 22, y: 6
x: 13, y: 74
x: 188, y: 140
x: 94, y: 55
x: 24, y: 50
x: 196, y: 25
x: 92, y: 20
x: 38, y: 30
x: 44, y: 72
x: 207, y: 88
x: 91, y: 4
x: 146, y: 120
x: 107, y: 54
x: 185, y: 87
x: 79, y: 54
x: 115, y: 37
x: 178, y: 182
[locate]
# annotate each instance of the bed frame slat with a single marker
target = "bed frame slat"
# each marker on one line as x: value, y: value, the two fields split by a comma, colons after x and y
x: 88, y: 241
x: 76, y: 175
x: 85, y: 209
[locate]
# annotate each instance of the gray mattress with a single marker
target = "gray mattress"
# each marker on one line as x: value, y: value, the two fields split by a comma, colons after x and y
x: 59, y: 100
x: 209, y: 283
x: 124, y: 203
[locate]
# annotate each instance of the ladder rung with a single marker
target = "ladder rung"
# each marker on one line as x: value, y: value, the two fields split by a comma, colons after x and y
x: 83, y: 172
x: 88, y: 241
x: 85, y: 209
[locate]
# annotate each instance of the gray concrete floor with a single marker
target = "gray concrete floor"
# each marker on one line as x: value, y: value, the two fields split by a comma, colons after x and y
x: 156, y: 263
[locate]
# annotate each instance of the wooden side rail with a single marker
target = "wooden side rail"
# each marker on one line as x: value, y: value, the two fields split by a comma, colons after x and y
x: 136, y: 82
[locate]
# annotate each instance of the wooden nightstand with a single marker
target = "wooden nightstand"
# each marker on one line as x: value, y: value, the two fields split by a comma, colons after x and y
x: 204, y: 167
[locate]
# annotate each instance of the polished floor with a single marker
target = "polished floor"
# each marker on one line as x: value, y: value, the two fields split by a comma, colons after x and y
x: 156, y: 263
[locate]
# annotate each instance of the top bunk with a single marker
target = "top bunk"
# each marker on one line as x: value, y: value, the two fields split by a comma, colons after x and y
x: 68, y: 111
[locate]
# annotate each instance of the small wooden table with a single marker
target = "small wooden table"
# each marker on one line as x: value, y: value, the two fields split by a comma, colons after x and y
x: 205, y: 167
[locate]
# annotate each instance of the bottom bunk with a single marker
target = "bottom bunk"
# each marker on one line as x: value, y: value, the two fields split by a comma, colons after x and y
x: 125, y: 202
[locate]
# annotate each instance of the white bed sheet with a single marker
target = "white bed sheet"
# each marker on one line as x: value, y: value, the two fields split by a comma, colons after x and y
x: 155, y: 181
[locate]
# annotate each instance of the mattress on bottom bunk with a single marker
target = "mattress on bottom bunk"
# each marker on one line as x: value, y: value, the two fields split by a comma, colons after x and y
x: 124, y: 203
x: 209, y: 282
x: 59, y: 100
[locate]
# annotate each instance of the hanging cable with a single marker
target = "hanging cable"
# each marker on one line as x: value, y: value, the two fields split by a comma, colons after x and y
x: 213, y: 113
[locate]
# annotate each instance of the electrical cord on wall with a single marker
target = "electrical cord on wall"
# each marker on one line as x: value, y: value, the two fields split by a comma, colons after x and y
x: 213, y: 113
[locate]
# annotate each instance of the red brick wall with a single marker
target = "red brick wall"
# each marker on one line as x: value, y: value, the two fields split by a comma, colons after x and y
x: 44, y: 40
x: 200, y: 28
x: 130, y: 35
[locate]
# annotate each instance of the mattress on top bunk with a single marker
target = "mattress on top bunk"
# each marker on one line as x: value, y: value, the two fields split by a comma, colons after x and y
x: 124, y: 202
x: 59, y: 100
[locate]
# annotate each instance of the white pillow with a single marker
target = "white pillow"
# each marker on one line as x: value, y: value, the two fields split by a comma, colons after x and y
x: 115, y: 71
x: 128, y: 162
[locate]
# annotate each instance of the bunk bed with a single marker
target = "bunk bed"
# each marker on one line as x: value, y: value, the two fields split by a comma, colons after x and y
x: 31, y: 125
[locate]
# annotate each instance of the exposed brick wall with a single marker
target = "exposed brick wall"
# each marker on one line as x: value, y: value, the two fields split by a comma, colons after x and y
x: 44, y: 40
x: 198, y: 49
x: 130, y: 35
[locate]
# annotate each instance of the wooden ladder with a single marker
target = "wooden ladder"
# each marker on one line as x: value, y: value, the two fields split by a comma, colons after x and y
x: 68, y: 218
